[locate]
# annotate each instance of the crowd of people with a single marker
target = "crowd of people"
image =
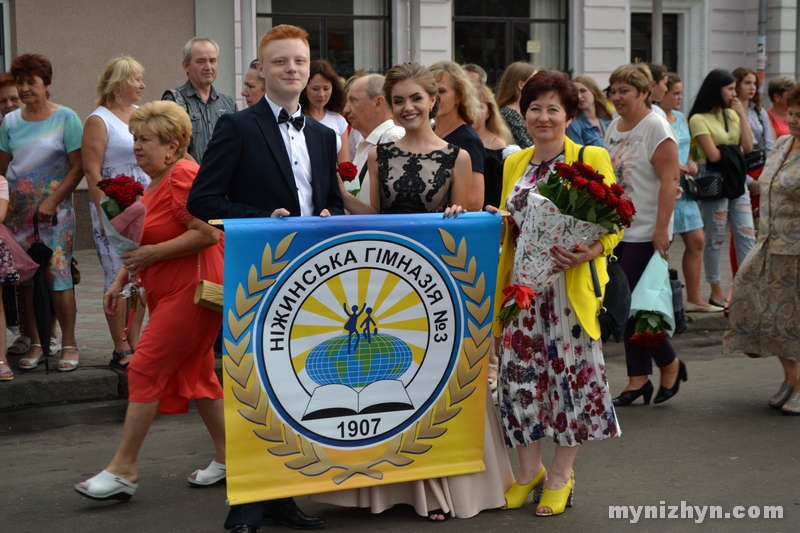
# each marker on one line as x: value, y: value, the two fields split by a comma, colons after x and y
x: 433, y: 139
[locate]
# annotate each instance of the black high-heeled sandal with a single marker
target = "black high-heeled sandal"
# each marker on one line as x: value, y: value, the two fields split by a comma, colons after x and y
x: 630, y: 396
x: 665, y: 394
x: 117, y: 357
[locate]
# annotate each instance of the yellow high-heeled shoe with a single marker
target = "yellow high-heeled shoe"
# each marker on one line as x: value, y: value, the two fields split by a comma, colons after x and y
x: 559, y: 499
x: 517, y: 494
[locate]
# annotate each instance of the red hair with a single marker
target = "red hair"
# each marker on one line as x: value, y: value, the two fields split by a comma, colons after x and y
x: 283, y: 31
x: 546, y: 81
x: 6, y: 80
x: 32, y: 65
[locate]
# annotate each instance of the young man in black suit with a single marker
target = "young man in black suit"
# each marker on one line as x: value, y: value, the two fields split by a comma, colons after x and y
x: 270, y: 161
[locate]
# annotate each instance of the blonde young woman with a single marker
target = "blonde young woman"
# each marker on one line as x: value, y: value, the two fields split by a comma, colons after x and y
x: 107, y: 152
x: 459, y: 108
x: 508, y: 95
x: 412, y: 91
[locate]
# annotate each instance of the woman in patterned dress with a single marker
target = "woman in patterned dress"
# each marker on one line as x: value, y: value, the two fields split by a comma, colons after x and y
x: 552, y: 379
x: 421, y: 173
x: 107, y: 152
x: 40, y: 155
x: 765, y: 307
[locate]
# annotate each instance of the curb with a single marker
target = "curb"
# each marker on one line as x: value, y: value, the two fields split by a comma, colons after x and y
x: 97, y: 383
x: 86, y: 384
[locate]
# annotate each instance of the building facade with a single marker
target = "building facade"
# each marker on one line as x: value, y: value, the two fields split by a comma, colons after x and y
x: 578, y: 36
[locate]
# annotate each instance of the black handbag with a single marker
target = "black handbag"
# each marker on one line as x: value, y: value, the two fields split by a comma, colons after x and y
x: 707, y: 185
x: 754, y: 160
x: 757, y: 157
x: 616, y: 305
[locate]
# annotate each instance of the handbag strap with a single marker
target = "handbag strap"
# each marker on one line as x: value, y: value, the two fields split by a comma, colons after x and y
x: 596, y: 282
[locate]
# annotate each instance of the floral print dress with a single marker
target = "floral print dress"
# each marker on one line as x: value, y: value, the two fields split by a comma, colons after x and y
x: 39, y: 164
x: 553, y: 378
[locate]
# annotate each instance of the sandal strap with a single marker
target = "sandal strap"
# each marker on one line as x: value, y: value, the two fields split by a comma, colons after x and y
x: 69, y: 348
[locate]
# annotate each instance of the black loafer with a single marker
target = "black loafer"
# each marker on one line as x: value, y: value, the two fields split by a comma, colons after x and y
x: 287, y: 513
x: 243, y: 529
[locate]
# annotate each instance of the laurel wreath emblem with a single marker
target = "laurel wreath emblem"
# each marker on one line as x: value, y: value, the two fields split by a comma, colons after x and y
x: 310, y: 458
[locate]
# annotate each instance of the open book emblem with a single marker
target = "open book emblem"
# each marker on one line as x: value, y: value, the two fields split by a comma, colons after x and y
x: 358, y: 373
x: 358, y: 337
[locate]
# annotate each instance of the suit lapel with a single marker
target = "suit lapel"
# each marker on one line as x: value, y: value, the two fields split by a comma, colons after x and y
x: 318, y: 164
x: 272, y: 135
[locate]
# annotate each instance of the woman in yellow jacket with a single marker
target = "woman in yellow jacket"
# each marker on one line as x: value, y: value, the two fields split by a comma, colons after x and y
x: 553, y: 375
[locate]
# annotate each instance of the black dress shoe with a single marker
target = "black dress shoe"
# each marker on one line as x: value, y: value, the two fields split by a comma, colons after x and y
x: 287, y: 513
x: 630, y: 396
x: 243, y: 529
x: 665, y: 394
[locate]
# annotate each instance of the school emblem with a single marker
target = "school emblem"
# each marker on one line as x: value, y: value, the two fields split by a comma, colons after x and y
x: 358, y: 338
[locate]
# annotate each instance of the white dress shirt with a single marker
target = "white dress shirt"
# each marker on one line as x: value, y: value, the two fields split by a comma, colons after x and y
x: 295, y: 143
x: 384, y: 133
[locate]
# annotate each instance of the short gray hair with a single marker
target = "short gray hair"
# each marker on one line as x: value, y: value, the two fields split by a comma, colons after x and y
x: 187, y: 48
x: 374, y: 85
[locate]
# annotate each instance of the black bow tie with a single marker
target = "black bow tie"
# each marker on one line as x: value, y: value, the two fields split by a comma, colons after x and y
x: 297, y: 122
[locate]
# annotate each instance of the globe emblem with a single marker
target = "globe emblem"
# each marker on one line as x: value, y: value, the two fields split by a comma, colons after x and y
x: 381, y: 357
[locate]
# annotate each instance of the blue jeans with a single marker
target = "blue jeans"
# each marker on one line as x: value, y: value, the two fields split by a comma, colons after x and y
x: 717, y: 214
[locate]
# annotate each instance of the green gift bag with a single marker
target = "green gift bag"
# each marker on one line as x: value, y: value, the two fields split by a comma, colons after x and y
x: 653, y: 293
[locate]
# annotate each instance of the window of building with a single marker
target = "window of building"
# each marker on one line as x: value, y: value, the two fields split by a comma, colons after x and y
x: 642, y: 36
x: 351, y: 34
x: 495, y: 33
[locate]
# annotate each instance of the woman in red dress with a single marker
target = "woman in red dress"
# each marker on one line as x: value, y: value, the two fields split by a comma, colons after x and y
x: 174, y: 360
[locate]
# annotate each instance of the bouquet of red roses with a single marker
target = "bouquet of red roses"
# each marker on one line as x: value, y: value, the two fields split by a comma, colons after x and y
x: 121, y: 214
x: 571, y: 207
x: 650, y: 329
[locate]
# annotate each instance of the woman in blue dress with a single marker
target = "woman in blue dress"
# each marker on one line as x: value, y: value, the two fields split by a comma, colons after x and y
x: 688, y: 221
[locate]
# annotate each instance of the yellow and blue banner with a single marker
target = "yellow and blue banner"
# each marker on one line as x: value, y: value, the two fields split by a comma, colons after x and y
x: 355, y: 350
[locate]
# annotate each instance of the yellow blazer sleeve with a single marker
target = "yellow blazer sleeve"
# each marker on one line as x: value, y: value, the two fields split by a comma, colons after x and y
x: 580, y: 287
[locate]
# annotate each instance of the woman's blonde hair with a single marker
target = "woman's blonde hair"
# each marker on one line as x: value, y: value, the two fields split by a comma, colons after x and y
x: 494, y: 122
x: 166, y: 120
x: 469, y: 108
x: 117, y: 74
x: 636, y: 75
x: 412, y: 72
x: 600, y: 100
x: 508, y: 91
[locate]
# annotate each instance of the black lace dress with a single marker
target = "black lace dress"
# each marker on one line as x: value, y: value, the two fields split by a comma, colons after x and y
x: 415, y: 183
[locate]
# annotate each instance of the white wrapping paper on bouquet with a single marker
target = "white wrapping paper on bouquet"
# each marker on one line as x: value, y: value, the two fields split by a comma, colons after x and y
x: 543, y: 228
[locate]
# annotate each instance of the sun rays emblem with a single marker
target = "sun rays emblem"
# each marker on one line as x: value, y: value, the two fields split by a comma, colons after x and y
x: 358, y: 338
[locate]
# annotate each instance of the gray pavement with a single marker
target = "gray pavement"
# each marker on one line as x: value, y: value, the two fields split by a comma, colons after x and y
x: 715, y: 444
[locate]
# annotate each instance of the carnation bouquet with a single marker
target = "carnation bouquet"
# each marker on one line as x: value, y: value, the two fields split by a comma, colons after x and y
x: 122, y: 216
x: 571, y: 207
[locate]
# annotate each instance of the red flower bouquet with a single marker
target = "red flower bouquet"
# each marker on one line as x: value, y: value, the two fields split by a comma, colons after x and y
x: 650, y: 328
x: 571, y: 207
x: 121, y: 214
